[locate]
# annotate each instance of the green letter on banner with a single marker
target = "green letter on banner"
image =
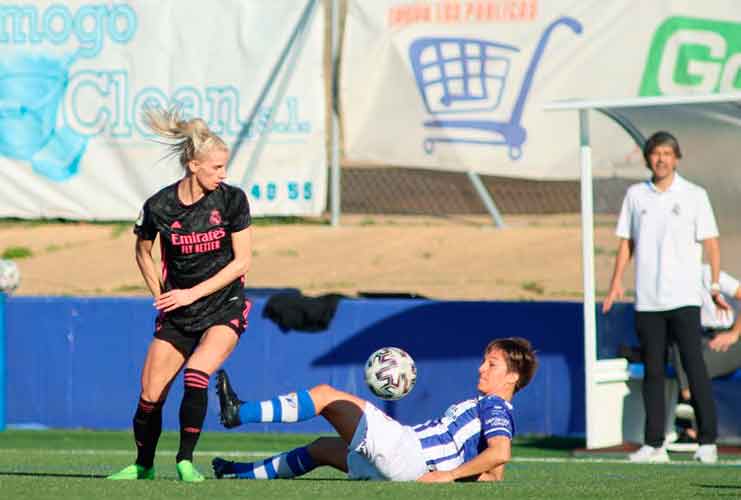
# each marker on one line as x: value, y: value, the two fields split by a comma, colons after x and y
x: 693, y: 56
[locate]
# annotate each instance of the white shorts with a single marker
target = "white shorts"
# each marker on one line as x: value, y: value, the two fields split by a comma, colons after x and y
x: 383, y: 449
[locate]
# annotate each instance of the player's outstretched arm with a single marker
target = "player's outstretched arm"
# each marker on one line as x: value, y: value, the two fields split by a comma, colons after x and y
x: 242, y: 247
x: 147, y: 267
x: 484, y: 467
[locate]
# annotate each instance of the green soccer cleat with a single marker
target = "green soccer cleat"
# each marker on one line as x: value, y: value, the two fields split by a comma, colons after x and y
x: 188, y: 473
x: 132, y: 472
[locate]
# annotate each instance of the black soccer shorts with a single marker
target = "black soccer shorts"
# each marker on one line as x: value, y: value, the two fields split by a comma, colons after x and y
x: 186, y: 341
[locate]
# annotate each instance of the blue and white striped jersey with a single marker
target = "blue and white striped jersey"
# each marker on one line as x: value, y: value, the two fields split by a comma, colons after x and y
x: 462, y: 432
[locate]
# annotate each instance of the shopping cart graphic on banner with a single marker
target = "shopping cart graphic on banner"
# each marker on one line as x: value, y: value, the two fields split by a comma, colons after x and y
x: 463, y: 75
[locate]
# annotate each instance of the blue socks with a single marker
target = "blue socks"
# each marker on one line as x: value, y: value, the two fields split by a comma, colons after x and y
x: 284, y: 466
x: 293, y: 407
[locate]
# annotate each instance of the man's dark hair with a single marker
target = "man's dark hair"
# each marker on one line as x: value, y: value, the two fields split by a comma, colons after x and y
x: 520, y: 358
x: 660, y: 138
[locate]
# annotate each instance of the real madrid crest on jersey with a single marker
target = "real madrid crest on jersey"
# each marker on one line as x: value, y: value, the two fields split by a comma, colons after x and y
x: 675, y: 209
x: 215, y: 218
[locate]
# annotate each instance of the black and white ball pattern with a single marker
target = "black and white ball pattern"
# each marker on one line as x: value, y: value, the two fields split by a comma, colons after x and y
x: 10, y: 276
x: 390, y: 373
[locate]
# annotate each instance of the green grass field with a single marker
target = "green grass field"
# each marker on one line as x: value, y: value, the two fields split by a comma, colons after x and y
x: 72, y: 464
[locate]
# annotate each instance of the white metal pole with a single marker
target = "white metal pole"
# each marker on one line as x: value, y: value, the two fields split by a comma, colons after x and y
x: 335, y: 197
x: 587, y: 233
x: 486, y: 198
x: 290, y: 57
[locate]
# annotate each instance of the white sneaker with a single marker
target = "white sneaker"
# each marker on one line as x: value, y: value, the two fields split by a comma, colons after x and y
x: 707, y: 454
x: 671, y: 437
x: 684, y: 444
x: 649, y: 454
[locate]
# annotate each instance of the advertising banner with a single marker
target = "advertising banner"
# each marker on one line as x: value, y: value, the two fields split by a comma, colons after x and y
x: 76, y: 75
x: 461, y: 84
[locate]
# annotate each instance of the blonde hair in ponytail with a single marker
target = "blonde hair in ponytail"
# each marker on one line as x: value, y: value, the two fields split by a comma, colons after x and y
x: 188, y: 139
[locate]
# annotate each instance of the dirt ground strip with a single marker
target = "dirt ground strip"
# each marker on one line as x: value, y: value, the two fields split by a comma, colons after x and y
x: 533, y: 258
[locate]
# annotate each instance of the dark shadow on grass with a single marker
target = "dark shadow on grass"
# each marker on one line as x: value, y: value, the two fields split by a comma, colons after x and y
x: 53, y: 474
x: 550, y: 443
x: 320, y: 479
x: 719, y: 486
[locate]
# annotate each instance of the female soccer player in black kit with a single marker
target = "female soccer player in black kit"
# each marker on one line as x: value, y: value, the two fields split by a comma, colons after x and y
x: 205, y: 238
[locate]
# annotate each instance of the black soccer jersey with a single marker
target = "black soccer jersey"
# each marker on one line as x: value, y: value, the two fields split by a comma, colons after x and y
x: 196, y: 244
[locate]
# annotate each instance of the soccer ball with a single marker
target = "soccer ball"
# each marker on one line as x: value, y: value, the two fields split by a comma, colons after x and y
x: 10, y: 276
x: 390, y: 373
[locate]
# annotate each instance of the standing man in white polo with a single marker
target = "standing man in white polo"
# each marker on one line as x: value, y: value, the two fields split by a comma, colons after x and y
x: 666, y: 223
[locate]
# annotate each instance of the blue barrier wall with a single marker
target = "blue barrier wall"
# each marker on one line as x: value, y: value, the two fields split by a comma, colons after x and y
x: 75, y: 362
x: 614, y: 329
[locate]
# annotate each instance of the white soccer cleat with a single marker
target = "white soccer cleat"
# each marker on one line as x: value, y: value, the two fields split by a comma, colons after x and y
x: 649, y: 455
x: 707, y: 454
